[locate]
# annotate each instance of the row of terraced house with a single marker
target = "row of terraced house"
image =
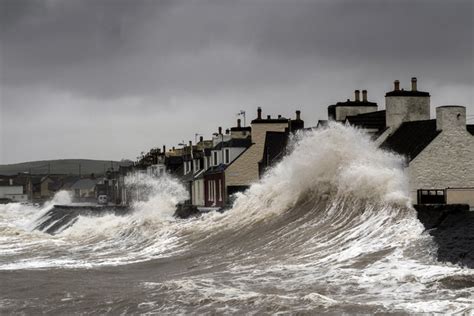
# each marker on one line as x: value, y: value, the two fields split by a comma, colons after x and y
x: 439, y: 151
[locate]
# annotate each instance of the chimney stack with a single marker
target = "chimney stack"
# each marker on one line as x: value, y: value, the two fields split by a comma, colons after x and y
x: 298, y: 115
x: 219, y: 130
x: 190, y: 143
x: 164, y: 148
x: 364, y: 95
x: 396, y: 83
x: 357, y: 95
x: 413, y: 84
x: 238, y: 123
x: 259, y: 113
x: 201, y: 139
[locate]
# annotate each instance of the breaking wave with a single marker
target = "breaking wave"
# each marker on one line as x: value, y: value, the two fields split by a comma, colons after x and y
x: 328, y: 227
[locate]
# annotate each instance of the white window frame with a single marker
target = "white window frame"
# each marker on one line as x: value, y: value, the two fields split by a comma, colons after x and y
x: 220, y: 191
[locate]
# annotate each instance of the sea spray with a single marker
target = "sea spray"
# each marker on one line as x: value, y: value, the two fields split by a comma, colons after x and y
x: 327, y: 229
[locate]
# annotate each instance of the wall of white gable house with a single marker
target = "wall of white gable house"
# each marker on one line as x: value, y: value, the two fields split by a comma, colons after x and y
x: 447, y: 162
x: 198, y: 192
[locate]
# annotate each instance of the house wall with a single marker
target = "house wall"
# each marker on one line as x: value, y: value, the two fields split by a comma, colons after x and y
x: 10, y: 190
x: 214, y: 190
x: 45, y: 192
x: 198, y: 192
x: 446, y: 162
x: 401, y: 109
x: 460, y: 196
x: 343, y: 111
x: 244, y: 170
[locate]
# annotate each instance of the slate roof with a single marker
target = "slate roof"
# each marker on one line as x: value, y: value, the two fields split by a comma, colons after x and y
x: 407, y: 93
x: 352, y: 103
x: 216, y: 169
x: 411, y: 138
x: 470, y: 128
x: 234, y: 142
x: 270, y: 120
x: 241, y: 129
x: 372, y: 120
x: 87, y: 184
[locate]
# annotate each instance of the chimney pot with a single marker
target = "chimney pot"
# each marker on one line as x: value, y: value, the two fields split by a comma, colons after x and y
x: 238, y: 123
x: 173, y: 148
x: 164, y: 148
x: 364, y: 95
x: 269, y: 117
x: 190, y: 143
x: 201, y: 139
x: 413, y: 84
x: 357, y: 95
x: 259, y: 113
x: 396, y: 85
x: 219, y: 130
x: 279, y: 116
x: 298, y: 115
x: 227, y: 131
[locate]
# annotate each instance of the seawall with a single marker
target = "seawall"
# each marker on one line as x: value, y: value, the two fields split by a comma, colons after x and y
x: 452, y: 228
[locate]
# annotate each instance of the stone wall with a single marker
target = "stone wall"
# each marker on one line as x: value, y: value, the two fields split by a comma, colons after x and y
x: 401, y: 109
x: 244, y: 170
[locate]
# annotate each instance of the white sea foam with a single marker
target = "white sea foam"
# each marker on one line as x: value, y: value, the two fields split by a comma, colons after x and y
x: 329, y: 227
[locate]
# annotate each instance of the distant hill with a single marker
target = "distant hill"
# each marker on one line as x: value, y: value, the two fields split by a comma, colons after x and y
x: 62, y: 166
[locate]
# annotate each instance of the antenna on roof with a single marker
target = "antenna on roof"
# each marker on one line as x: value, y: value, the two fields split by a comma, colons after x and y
x: 242, y: 113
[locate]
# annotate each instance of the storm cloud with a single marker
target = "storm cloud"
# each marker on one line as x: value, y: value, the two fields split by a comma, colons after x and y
x: 109, y: 79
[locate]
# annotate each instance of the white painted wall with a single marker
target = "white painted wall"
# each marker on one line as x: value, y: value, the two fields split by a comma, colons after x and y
x: 447, y: 162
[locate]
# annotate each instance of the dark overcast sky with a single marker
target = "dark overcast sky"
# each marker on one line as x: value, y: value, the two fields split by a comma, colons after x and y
x: 109, y: 79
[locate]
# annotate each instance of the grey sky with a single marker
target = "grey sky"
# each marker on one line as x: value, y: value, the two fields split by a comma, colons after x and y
x: 109, y: 79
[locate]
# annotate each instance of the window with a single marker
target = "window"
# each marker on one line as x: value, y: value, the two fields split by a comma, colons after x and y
x: 215, y: 158
x: 220, y: 190
x: 227, y: 155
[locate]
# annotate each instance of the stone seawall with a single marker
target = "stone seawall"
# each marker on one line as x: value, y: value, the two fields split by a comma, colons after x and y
x: 452, y: 228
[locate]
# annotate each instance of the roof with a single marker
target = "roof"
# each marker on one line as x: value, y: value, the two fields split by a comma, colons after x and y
x: 407, y: 93
x: 352, y: 103
x: 275, y: 146
x: 371, y: 120
x: 84, y: 184
x: 470, y: 128
x: 241, y: 129
x: 411, y: 138
x: 234, y: 142
x: 270, y: 120
x: 216, y: 169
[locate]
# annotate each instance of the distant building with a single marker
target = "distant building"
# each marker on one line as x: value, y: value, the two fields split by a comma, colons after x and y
x: 11, y: 191
x: 84, y: 190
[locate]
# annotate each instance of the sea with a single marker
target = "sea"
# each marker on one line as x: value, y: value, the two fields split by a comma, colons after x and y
x: 329, y: 230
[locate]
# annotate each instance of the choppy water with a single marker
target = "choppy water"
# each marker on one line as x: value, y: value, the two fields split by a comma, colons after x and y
x: 328, y: 230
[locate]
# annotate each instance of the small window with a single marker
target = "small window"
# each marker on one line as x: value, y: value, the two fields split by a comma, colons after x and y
x: 227, y: 155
